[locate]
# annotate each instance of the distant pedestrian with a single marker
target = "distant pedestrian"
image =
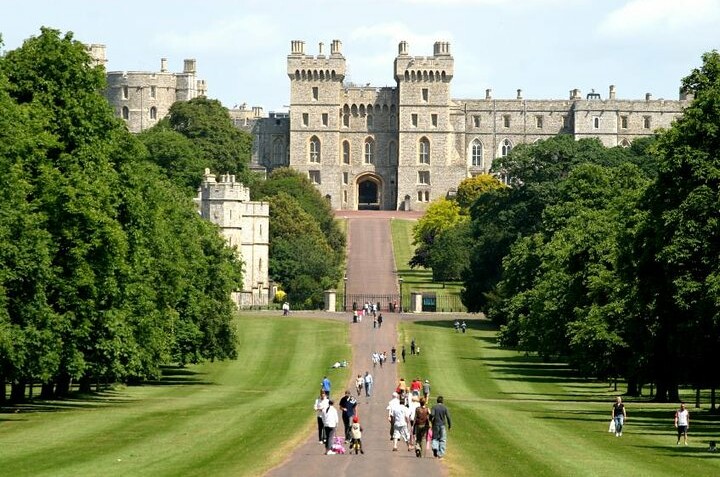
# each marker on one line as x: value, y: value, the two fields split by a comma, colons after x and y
x: 402, y: 353
x: 463, y: 325
x: 359, y: 383
x: 422, y: 424
x: 412, y: 347
x: 286, y: 308
x: 426, y: 390
x: 619, y: 414
x: 356, y: 436
x: 325, y: 385
x: 393, y: 354
x: 456, y: 325
x: 348, y: 405
x: 682, y: 423
x: 375, y: 322
x: 330, y: 420
x: 380, y: 320
x: 368, y: 384
x: 321, y: 405
x: 382, y: 359
x: 440, y: 418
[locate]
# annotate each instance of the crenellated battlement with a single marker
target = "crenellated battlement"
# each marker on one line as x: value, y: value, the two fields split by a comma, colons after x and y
x: 303, y: 67
x: 439, y: 67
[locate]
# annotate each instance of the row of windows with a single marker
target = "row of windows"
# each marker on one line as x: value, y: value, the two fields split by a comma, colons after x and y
x: 126, y: 91
x: 433, y: 120
x: 476, y: 151
x: 539, y: 121
x: 423, y: 177
x: 126, y: 113
x: 345, y: 118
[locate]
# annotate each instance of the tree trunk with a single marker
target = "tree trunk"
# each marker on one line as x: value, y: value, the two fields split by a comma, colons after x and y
x: 2, y: 389
x: 697, y: 397
x: 633, y: 386
x: 63, y: 386
x: 712, y: 399
x: 17, y: 391
x: 85, y: 385
x: 48, y: 390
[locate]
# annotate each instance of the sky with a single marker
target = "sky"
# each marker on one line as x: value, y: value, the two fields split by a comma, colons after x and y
x: 544, y: 47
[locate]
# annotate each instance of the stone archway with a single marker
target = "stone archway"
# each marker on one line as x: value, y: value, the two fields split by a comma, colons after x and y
x: 369, y: 192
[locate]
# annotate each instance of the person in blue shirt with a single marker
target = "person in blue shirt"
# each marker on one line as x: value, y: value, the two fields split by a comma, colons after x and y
x: 325, y: 384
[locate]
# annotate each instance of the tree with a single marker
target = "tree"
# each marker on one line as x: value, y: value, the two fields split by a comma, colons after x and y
x: 207, y: 124
x: 441, y: 214
x: 472, y: 187
x: 181, y: 160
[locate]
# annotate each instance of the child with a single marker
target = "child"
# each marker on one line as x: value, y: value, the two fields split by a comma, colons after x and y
x: 356, y: 433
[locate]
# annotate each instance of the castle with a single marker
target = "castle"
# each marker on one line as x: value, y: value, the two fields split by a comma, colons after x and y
x: 391, y: 148
x: 401, y: 147
x: 245, y: 225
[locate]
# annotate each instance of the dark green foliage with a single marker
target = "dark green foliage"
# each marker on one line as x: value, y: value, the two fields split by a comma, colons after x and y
x: 307, y: 248
x: 90, y: 237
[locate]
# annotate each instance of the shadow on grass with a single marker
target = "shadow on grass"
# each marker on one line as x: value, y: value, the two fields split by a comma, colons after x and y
x: 175, y: 375
x: 692, y: 451
x: 479, y: 324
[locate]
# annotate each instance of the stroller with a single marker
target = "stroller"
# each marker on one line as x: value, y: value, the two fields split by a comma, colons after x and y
x: 338, y: 445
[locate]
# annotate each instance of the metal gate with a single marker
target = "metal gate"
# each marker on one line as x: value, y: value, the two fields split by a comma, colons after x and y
x: 386, y: 303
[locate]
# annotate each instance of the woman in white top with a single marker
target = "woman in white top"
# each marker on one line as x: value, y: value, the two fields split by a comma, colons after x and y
x: 321, y: 405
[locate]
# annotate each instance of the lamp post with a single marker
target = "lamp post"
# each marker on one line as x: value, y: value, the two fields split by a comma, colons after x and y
x: 345, y: 293
x: 401, y: 294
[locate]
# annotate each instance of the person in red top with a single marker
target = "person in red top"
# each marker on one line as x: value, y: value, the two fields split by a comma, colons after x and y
x: 415, y: 387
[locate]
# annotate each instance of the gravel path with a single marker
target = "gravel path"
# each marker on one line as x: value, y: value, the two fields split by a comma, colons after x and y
x: 370, y: 270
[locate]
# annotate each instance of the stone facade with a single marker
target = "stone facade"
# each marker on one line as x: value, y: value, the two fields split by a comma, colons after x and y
x: 401, y: 147
x: 143, y: 98
x: 245, y: 225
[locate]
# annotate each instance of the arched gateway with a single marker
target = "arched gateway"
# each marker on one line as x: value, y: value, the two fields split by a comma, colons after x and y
x: 369, y: 192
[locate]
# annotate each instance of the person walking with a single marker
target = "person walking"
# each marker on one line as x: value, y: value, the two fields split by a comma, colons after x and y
x: 682, y: 423
x: 400, y: 423
x: 368, y: 384
x: 412, y: 347
x: 359, y: 383
x: 330, y: 421
x: 321, y: 405
x: 426, y: 390
x: 380, y: 320
x: 619, y: 414
x: 402, y: 353
x: 356, y: 434
x: 286, y: 308
x: 463, y: 325
x: 348, y: 405
x: 393, y: 354
x: 422, y: 424
x: 441, y: 423
x: 325, y: 385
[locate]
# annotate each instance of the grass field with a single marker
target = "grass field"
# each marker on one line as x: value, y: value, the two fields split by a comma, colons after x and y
x: 202, y: 420
x: 417, y: 279
x: 516, y: 416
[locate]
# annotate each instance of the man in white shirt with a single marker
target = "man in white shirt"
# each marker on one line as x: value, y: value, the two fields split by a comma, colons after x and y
x: 368, y: 383
x: 400, y: 420
x: 321, y: 405
x: 682, y: 423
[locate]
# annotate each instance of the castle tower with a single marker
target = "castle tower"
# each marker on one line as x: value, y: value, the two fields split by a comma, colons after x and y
x: 425, y: 126
x: 245, y: 225
x: 316, y: 84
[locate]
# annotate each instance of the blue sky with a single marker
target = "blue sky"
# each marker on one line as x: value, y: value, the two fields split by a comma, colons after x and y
x: 544, y: 47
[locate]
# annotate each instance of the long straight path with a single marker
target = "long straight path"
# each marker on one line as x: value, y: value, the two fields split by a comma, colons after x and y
x: 370, y: 269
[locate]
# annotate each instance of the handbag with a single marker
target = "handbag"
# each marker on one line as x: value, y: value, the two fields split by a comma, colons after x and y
x: 612, y: 426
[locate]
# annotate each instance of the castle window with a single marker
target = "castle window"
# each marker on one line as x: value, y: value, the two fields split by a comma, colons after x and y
x: 315, y: 150
x: 596, y: 122
x: 427, y: 196
x: 278, y: 151
x: 424, y: 177
x: 646, y: 122
x: 539, y: 122
x: 414, y: 120
x: 346, y: 152
x: 369, y: 151
x: 305, y: 119
x: 476, y: 121
x: 125, y: 92
x: 325, y: 119
x: 424, y: 151
x: 425, y: 95
x: 345, y: 195
x: 125, y: 113
x: 506, y: 120
x: 314, y: 177
x: 420, y: 196
x: 346, y: 178
x: 434, y: 120
x: 477, y: 153
x: 153, y: 91
x: 153, y: 113
x: 623, y: 122
x: 505, y: 147
x: 369, y: 120
x: 566, y: 122
x: 346, y: 120
x: 315, y: 93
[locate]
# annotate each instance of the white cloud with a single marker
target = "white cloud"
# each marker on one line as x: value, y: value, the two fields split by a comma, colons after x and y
x: 642, y: 16
x: 241, y: 34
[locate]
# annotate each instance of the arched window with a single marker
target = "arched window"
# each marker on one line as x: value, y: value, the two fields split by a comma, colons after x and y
x: 125, y: 113
x: 369, y: 120
x: 477, y: 153
x: 346, y: 152
x: 424, y: 151
x: 369, y: 151
x: 314, y: 149
x: 505, y: 147
x: 153, y: 113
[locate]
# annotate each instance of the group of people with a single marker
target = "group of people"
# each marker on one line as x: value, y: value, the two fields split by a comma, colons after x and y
x: 364, y: 382
x: 412, y: 421
x: 460, y: 326
x: 328, y: 420
x: 681, y: 420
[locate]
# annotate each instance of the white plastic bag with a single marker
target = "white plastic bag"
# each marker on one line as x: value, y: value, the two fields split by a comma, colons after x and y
x: 612, y: 426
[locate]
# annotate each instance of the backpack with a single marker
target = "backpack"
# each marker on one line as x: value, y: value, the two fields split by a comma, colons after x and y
x: 421, y: 416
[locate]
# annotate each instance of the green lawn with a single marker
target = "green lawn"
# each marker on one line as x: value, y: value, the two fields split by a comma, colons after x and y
x: 419, y: 279
x: 515, y: 416
x: 211, y: 419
